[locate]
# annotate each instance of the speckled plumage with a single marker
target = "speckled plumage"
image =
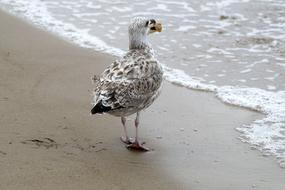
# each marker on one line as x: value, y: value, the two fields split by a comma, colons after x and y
x: 131, y: 83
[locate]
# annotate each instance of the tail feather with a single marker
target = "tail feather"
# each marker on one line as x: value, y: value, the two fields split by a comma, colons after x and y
x: 100, y: 108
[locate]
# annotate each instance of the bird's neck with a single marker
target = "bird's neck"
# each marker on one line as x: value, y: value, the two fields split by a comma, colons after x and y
x: 138, y: 41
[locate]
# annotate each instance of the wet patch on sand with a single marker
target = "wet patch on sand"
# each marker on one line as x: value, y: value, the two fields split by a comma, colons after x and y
x: 73, y: 147
x: 86, y: 145
x: 4, y: 99
x: 3, y: 153
x: 41, y: 142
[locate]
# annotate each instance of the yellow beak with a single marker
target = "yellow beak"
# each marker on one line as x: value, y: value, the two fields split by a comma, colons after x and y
x: 158, y: 27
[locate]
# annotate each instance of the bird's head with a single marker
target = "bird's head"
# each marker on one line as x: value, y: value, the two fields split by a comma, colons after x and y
x: 139, y: 28
x: 142, y: 25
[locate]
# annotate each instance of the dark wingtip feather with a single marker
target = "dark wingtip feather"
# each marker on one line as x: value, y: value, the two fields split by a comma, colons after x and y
x: 100, y: 108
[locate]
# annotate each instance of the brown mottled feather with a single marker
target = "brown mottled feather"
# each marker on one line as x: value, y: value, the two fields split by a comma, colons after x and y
x: 129, y: 84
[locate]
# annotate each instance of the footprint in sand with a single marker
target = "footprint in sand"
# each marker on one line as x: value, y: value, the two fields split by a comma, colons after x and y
x: 42, y: 142
x: 3, y: 153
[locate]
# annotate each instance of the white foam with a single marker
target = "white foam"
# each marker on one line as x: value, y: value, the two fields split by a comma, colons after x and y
x: 204, y: 8
x: 122, y: 9
x: 281, y: 64
x: 270, y: 87
x: 245, y: 71
x: 36, y: 11
x: 219, y: 51
x: 267, y: 133
x: 162, y: 7
x: 241, y: 80
x: 196, y: 45
x: 273, y: 77
x: 185, y: 28
x: 179, y: 77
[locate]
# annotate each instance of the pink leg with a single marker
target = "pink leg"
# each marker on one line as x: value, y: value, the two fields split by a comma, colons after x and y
x: 125, y: 139
x: 136, y: 145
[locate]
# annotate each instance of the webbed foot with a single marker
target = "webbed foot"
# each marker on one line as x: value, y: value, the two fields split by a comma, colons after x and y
x: 136, y: 146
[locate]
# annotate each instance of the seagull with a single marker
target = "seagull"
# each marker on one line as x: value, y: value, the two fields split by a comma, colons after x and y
x: 131, y: 83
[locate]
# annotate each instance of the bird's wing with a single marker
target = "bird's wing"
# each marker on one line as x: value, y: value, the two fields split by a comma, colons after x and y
x: 128, y: 82
x: 134, y: 65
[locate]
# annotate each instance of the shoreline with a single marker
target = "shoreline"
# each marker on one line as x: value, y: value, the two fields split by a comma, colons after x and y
x: 260, y: 133
x: 48, y: 139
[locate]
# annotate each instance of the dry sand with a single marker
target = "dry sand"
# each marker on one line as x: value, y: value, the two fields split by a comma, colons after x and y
x: 48, y: 140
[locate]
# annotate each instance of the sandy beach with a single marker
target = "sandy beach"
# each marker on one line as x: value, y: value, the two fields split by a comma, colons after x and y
x: 48, y: 140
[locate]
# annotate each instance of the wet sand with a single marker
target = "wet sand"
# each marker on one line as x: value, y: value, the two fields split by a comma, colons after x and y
x: 48, y: 140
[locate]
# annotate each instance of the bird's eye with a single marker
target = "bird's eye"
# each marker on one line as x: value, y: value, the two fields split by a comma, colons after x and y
x: 152, y: 28
x: 146, y: 24
x: 152, y: 21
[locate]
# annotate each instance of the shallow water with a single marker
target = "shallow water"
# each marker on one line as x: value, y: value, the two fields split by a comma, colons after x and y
x: 235, y: 48
x: 205, y: 39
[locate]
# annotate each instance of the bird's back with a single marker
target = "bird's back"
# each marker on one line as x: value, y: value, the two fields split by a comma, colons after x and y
x: 129, y: 84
